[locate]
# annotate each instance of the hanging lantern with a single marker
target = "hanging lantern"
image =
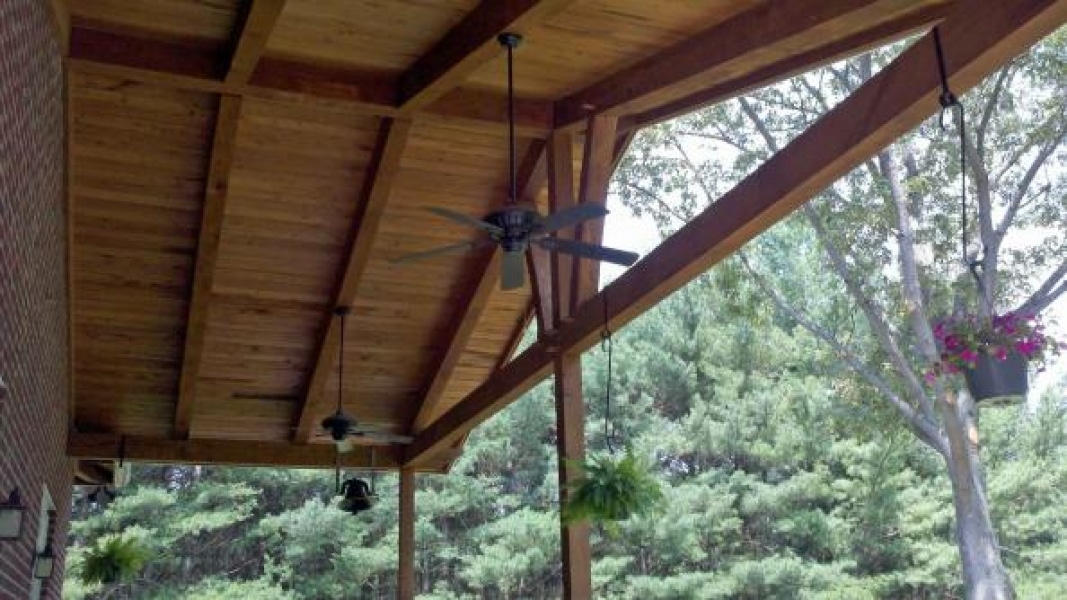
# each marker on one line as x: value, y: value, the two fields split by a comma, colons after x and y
x: 11, y: 514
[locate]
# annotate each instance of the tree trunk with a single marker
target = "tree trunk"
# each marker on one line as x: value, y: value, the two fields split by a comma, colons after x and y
x: 984, y: 575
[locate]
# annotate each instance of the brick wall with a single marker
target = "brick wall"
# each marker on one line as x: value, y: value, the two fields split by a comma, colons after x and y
x: 33, y: 319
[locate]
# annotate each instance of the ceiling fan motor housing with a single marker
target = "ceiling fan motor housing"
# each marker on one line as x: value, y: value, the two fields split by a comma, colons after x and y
x: 517, y: 225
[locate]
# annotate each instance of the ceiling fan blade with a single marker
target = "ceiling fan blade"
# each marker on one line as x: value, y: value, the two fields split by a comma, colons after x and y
x: 512, y: 270
x: 572, y: 216
x: 464, y: 219
x: 611, y: 255
x: 442, y: 250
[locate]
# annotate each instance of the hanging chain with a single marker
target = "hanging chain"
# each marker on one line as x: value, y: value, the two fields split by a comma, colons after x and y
x: 606, y: 346
x: 513, y: 192
x: 342, y: 312
x: 951, y: 104
x: 337, y: 472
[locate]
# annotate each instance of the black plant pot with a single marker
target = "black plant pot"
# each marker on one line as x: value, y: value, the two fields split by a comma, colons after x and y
x: 993, y: 381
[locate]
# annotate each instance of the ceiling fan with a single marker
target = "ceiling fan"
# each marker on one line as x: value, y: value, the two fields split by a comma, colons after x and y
x: 517, y: 227
x: 342, y: 428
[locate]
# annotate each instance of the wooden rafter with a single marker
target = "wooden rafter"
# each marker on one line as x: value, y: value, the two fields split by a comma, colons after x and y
x: 189, y: 67
x: 978, y: 37
x: 467, y: 46
x: 560, y: 197
x: 251, y: 39
x: 107, y: 446
x: 517, y: 332
x: 598, y: 163
x: 392, y: 138
x: 751, y: 31
x: 215, y: 195
x: 795, y: 64
x: 530, y: 178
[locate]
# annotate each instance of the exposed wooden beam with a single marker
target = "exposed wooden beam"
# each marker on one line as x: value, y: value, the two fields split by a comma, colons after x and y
x: 598, y: 163
x: 529, y: 179
x: 251, y: 38
x: 886, y: 33
x: 207, y: 252
x: 92, y: 473
x: 61, y: 24
x: 108, y: 446
x: 381, y: 173
x: 521, y: 324
x: 978, y: 37
x: 196, y: 68
x: 468, y: 45
x: 560, y: 197
x: 751, y: 31
x: 405, y: 588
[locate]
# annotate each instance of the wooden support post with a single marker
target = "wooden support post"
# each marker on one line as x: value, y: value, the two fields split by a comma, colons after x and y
x: 405, y: 585
x: 570, y: 446
x: 570, y: 410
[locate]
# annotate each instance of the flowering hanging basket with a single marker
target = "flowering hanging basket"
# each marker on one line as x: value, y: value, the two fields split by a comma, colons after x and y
x: 992, y: 353
x: 995, y: 381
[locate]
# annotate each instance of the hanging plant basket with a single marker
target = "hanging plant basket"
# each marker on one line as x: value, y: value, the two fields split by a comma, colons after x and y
x: 992, y: 354
x: 995, y: 381
x: 113, y: 560
x: 611, y: 490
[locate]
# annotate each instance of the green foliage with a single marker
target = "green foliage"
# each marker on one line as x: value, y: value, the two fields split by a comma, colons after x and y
x: 612, y: 489
x: 113, y: 559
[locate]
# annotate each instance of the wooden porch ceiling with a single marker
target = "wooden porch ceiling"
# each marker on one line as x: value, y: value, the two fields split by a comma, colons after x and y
x: 240, y: 167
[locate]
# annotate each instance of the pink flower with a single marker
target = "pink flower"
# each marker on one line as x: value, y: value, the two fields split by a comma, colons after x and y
x: 1000, y: 352
x: 968, y: 356
x: 952, y: 342
x: 1027, y: 347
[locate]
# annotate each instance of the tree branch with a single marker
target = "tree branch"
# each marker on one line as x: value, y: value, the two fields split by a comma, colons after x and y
x: 1027, y: 180
x: 1052, y: 288
x: 909, y: 270
x: 873, y: 313
x: 919, y: 423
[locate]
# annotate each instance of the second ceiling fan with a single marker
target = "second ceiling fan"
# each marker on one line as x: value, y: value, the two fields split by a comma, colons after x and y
x: 517, y: 227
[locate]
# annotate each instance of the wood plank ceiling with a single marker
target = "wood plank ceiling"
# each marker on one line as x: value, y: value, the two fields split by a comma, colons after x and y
x: 240, y: 167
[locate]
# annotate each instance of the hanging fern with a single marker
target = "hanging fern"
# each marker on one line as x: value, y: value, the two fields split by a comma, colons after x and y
x: 612, y: 490
x: 112, y: 560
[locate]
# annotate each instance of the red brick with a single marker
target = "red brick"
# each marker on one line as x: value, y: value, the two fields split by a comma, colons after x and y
x: 33, y: 291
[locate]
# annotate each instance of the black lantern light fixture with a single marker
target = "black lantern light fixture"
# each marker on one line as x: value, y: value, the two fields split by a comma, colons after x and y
x: 44, y: 564
x: 11, y: 514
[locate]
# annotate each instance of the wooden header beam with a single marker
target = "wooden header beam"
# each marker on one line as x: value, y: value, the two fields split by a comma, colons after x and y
x: 744, y: 35
x: 108, y: 446
x: 978, y: 37
x: 196, y: 68
x: 467, y: 46
x: 392, y: 139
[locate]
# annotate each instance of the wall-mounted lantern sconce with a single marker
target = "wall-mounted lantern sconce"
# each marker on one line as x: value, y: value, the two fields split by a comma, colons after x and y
x: 11, y: 513
x: 44, y: 564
